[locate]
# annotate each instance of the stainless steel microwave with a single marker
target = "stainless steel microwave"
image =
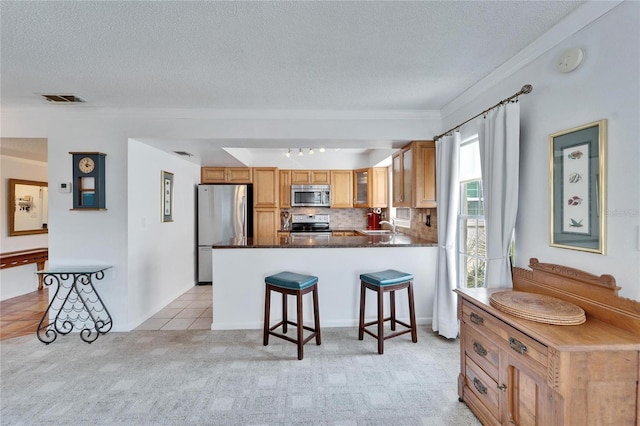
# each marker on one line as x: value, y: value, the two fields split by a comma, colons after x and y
x: 310, y: 195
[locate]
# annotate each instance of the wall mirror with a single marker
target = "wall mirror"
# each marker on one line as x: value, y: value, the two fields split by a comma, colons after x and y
x: 28, y: 207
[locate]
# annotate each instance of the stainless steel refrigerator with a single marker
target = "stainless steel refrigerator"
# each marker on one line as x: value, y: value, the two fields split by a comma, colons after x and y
x: 224, y: 212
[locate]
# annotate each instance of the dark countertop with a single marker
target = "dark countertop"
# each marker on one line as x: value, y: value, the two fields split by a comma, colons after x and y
x: 301, y: 241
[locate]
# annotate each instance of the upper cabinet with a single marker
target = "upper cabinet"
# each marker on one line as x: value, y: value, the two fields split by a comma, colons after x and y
x: 226, y: 175
x: 401, y: 162
x: 424, y: 191
x: 265, y: 187
x: 266, y: 215
x: 310, y: 177
x: 341, y: 189
x: 371, y: 187
x: 414, y: 175
x: 285, y: 189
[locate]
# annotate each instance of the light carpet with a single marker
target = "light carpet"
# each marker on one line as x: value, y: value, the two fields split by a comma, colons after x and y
x: 204, y: 377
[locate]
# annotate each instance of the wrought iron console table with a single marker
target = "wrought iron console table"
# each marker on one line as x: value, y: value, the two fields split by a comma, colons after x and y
x: 75, y: 304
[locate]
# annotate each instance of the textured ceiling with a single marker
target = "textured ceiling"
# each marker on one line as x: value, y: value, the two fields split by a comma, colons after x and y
x: 363, y: 56
x: 31, y: 149
x: 320, y: 55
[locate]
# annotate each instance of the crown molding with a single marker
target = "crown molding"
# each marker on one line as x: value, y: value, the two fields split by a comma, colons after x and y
x: 563, y: 29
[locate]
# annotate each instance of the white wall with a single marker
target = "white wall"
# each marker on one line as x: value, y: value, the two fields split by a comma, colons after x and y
x: 161, y: 254
x: 18, y: 280
x: 102, y: 237
x: 606, y: 85
x: 338, y: 270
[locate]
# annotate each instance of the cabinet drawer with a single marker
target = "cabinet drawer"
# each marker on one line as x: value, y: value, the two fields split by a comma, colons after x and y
x: 482, y: 350
x: 483, y: 387
x: 530, y: 351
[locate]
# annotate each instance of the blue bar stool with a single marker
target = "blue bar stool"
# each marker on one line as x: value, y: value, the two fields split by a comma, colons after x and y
x: 298, y: 285
x: 387, y: 282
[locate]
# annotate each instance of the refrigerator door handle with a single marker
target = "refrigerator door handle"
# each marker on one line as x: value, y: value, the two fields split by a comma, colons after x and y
x: 244, y: 216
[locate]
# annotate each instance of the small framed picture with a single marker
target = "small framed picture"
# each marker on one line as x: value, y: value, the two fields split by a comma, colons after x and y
x: 167, y: 196
x: 577, y: 166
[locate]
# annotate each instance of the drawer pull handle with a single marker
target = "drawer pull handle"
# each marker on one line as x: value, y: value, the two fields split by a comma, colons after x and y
x: 517, y: 346
x: 479, y: 386
x: 502, y: 387
x: 475, y: 318
x: 479, y: 349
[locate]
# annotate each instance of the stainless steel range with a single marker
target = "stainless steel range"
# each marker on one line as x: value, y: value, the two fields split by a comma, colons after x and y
x: 310, y: 225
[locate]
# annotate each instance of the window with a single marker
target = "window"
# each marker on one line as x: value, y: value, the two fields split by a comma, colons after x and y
x: 403, y: 217
x: 471, y: 225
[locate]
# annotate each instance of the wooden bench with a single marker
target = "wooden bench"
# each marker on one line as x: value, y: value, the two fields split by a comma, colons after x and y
x: 24, y: 257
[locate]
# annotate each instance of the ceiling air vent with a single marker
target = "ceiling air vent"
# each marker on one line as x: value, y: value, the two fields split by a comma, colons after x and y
x: 63, y: 99
x: 184, y: 153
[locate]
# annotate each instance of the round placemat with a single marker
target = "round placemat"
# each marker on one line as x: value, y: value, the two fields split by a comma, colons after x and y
x: 538, y: 307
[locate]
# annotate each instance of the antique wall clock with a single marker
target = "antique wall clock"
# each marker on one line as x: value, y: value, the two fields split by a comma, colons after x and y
x: 89, y: 182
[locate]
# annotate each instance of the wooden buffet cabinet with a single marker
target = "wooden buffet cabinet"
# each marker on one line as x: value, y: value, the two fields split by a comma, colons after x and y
x: 516, y: 371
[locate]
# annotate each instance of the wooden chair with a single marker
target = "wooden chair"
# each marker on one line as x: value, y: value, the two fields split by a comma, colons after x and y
x: 387, y: 281
x: 287, y: 283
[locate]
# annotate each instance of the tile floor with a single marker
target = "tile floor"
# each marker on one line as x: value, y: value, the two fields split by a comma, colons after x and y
x: 192, y: 310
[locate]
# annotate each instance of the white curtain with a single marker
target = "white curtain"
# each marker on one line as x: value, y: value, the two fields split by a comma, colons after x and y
x: 499, y: 137
x: 445, y: 320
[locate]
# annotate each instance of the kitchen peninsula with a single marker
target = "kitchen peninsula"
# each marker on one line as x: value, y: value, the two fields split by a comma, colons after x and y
x: 240, y: 266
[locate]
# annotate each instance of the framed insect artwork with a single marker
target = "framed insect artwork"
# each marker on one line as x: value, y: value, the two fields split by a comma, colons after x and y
x: 577, y: 167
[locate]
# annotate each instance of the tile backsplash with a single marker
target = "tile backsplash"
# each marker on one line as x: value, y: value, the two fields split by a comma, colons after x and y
x: 357, y: 219
x: 418, y: 227
x: 339, y: 218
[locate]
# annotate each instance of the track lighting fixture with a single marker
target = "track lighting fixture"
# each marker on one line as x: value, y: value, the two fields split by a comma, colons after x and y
x: 301, y: 152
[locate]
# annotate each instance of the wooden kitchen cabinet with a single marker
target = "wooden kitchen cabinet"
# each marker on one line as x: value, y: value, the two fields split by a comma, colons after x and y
x: 341, y: 188
x: 266, y: 215
x: 424, y: 190
x: 401, y: 163
x: 414, y: 175
x: 371, y: 187
x: 285, y: 189
x: 516, y: 371
x: 265, y: 187
x: 310, y: 177
x: 239, y: 175
x: 266, y: 222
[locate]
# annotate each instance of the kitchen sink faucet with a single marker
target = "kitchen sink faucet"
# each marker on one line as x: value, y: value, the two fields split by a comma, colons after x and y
x: 392, y: 224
